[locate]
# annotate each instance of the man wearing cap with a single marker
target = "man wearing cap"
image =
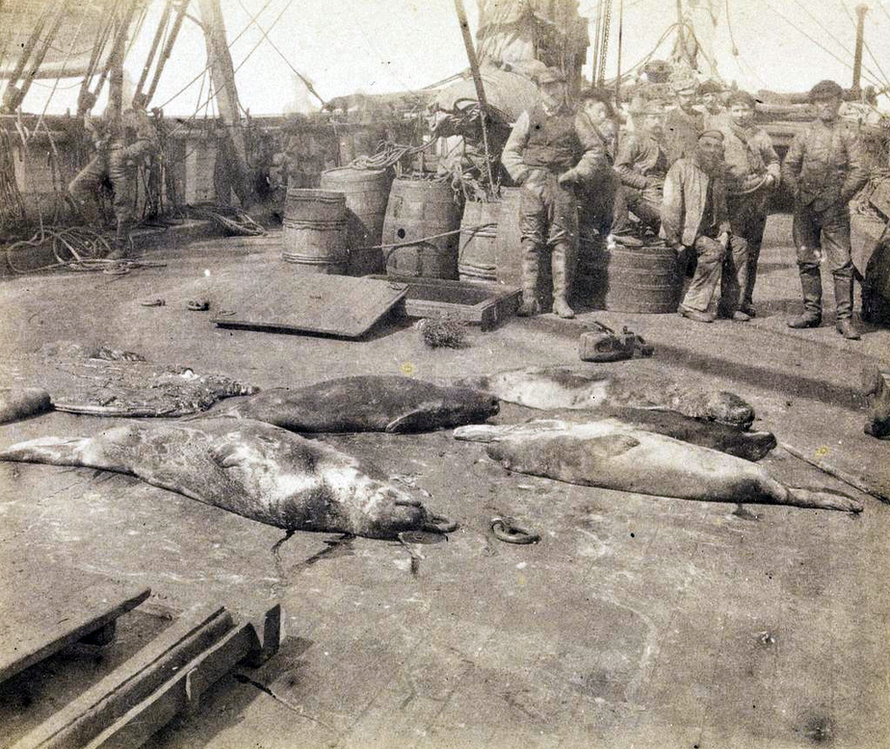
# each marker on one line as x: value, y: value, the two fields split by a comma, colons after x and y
x: 824, y: 170
x: 711, y: 106
x: 545, y: 156
x: 694, y: 218
x: 752, y: 172
x: 642, y: 164
x: 683, y: 124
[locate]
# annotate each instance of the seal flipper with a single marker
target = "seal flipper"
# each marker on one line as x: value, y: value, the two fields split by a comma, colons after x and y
x: 419, y: 420
x: 57, y: 451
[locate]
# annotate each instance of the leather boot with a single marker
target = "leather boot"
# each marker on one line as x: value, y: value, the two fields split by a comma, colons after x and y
x: 561, y: 266
x: 530, y: 305
x: 121, y: 249
x: 811, y: 287
x: 843, y: 297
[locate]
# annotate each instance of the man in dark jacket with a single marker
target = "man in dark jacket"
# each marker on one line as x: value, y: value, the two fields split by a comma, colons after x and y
x: 545, y: 156
x: 685, y: 123
x: 824, y: 170
x: 694, y: 218
x: 752, y: 173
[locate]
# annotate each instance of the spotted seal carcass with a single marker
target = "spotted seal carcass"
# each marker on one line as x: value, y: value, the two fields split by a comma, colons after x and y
x: 368, y: 403
x: 613, y: 455
x: 550, y: 388
x: 247, y: 467
x: 20, y: 403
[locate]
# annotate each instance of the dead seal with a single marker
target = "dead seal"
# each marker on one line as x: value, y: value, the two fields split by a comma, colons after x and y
x: 20, y: 403
x: 550, y: 388
x: 729, y: 439
x: 612, y: 455
x: 250, y: 468
x: 369, y: 403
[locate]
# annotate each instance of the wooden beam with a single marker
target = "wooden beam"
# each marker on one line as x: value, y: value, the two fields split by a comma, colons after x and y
x: 861, y: 10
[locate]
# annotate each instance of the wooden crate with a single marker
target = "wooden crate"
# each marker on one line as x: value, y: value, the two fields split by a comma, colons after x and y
x: 486, y: 305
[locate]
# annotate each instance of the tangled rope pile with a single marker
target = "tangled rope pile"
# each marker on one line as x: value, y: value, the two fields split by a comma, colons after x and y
x: 74, y: 248
x: 389, y: 155
x: 233, y: 220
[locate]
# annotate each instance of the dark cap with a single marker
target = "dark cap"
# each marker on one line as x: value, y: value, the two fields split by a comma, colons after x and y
x: 710, y: 87
x: 825, y: 90
x: 550, y: 75
x: 741, y: 97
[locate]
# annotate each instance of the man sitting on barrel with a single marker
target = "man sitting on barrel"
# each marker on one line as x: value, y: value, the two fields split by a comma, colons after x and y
x: 694, y: 218
x: 544, y: 155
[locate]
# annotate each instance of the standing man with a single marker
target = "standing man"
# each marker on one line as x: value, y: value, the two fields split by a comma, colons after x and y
x: 752, y: 172
x: 545, y: 156
x: 684, y: 124
x: 824, y: 170
x: 642, y: 165
x: 121, y: 143
x: 695, y: 219
x: 596, y: 129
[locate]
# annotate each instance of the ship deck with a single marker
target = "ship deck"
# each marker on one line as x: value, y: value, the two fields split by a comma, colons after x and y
x: 636, y: 621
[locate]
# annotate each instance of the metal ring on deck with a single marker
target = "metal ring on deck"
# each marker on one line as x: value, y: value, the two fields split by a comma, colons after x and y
x: 440, y: 524
x: 506, y: 530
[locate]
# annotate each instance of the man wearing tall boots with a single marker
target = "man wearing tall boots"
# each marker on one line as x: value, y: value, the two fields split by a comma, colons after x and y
x: 121, y: 142
x: 752, y: 173
x: 695, y: 219
x: 824, y: 170
x: 545, y: 156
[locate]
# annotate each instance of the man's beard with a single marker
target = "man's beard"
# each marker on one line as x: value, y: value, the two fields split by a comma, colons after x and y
x: 711, y: 164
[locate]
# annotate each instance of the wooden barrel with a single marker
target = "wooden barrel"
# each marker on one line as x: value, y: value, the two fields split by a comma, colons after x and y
x: 507, y: 240
x: 419, y: 209
x: 508, y: 245
x: 477, y: 256
x: 315, y: 231
x: 643, y: 279
x: 367, y: 192
x: 589, y: 283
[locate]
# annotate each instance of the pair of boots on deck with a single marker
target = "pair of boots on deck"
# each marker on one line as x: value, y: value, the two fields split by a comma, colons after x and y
x: 561, y: 258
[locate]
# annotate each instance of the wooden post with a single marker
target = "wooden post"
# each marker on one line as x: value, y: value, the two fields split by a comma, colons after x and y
x: 861, y: 10
x: 620, y: 40
x: 223, y: 76
x: 477, y: 79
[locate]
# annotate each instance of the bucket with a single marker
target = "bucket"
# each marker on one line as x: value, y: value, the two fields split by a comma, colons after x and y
x: 418, y: 209
x: 367, y: 193
x: 643, y: 279
x: 315, y: 231
x: 477, y: 256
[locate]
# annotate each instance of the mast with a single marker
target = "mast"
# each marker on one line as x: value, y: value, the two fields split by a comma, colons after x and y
x: 861, y: 10
x: 223, y: 76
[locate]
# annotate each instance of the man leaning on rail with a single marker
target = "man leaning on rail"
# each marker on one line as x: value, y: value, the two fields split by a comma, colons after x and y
x: 824, y: 170
x: 121, y: 142
x: 545, y: 155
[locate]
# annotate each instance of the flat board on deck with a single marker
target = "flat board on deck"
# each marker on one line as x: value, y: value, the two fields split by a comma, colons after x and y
x: 312, y: 303
x: 486, y: 305
x: 45, y: 610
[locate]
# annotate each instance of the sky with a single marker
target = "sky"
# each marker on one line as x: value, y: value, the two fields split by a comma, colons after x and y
x: 381, y: 46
